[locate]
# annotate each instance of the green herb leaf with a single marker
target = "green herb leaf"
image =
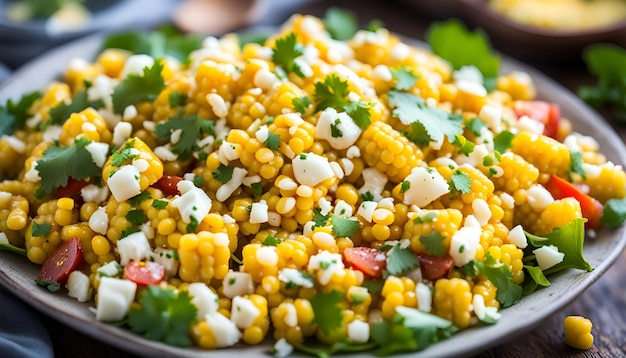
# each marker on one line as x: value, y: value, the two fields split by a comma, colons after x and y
x: 569, y: 240
x: 434, y: 244
x: 193, y: 224
x: 158, y: 44
x: 344, y: 227
x: 272, y: 141
x: 177, y: 99
x: 327, y: 313
x: 475, y: 125
x: 286, y: 51
x: 452, y: 41
x: 60, y: 113
x: 42, y: 229
x: 159, y: 204
x: 508, y: 293
x: 405, y: 78
x: 257, y: 189
x: 431, y: 121
x: 5, y: 245
x: 335, y: 132
x: 223, y: 173
x: 136, y: 217
x: 466, y: 147
x: 163, y: 315
x: 13, y: 115
x: 124, y: 154
x: 537, y: 275
x: 319, y: 219
x: 400, y: 260
x: 51, y: 286
x: 60, y: 163
x: 503, y: 141
x: 271, y: 240
x: 367, y: 196
x: 576, y: 164
x: 406, y: 185
x: 614, y: 213
x: 461, y: 182
x: 333, y: 92
x: 301, y: 104
x: 341, y: 24
x: 192, y: 129
x: 135, y: 88
x: 137, y: 199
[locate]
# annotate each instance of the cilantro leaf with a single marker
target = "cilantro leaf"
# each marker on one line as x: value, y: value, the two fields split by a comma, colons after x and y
x: 327, y: 313
x: 60, y: 163
x: 466, y: 147
x: 136, y: 217
x: 163, y: 315
x: 503, y: 141
x: 344, y: 227
x: 272, y: 141
x: 406, y: 185
x: 367, y: 196
x: 61, y: 112
x: 434, y: 244
x: 137, y: 199
x: 13, y: 115
x: 223, y: 173
x: 569, y: 239
x: 537, y: 275
x: 461, y: 182
x: 335, y: 132
x: 159, y: 204
x: 400, y: 260
x: 177, y: 99
x: 434, y: 122
x: 257, y: 188
x: 319, y: 219
x: 333, y: 92
x: 123, y: 154
x: 300, y: 104
x: 452, y: 41
x: 271, y: 240
x: 475, y: 125
x: 157, y: 44
x: 192, y: 128
x: 135, y: 88
x: 51, y: 286
x: 614, y: 213
x: 508, y: 293
x: 576, y: 163
x: 193, y: 224
x: 607, y: 62
x: 405, y: 78
x: 42, y: 229
x: 286, y: 51
x: 341, y: 24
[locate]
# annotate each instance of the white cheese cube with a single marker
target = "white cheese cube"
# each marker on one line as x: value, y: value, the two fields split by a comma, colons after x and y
x: 358, y: 331
x: 193, y: 201
x: 99, y: 152
x: 237, y: 284
x: 203, y: 297
x: 259, y: 212
x: 311, y: 169
x: 78, y: 286
x: 167, y: 258
x: 92, y: 193
x: 338, y: 129
x: 110, y: 269
x: 548, y: 256
x: 114, y: 298
x: 427, y: 185
x: 224, y: 330
x: 424, y: 297
x: 124, y: 183
x: 133, y: 247
x: 517, y: 237
x: 243, y: 312
x: 99, y: 221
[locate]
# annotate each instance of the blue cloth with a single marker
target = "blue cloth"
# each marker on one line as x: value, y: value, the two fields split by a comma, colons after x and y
x: 22, y: 333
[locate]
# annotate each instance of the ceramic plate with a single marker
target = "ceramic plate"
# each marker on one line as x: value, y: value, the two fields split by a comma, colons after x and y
x: 18, y: 275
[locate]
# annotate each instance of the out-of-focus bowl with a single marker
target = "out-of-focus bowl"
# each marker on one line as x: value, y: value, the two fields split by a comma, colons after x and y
x: 518, y: 39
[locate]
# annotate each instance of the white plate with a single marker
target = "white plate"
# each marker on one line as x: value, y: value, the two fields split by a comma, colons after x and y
x: 18, y: 275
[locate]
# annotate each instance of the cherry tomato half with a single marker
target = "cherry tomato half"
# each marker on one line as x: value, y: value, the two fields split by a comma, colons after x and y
x: 168, y: 184
x: 368, y: 260
x: 435, y: 267
x: 144, y: 272
x: 62, y: 262
x: 545, y: 112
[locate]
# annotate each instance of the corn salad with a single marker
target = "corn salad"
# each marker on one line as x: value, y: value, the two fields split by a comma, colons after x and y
x: 271, y: 182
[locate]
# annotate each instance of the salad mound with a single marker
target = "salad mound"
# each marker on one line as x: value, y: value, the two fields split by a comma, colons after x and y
x: 327, y: 194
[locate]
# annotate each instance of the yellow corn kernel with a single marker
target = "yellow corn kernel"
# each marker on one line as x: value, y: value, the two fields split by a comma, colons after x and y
x: 100, y: 245
x: 89, y: 123
x: 578, y: 332
x: 65, y: 203
x: 452, y: 300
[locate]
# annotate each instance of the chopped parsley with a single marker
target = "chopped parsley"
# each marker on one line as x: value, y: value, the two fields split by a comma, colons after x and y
x: 576, y: 164
x: 193, y: 224
x: 137, y: 88
x: 127, y: 152
x: 335, y: 132
x: 475, y: 125
x: 272, y: 141
x: 465, y: 146
x: 136, y: 217
x: 286, y: 51
x: 434, y: 244
x: 614, y: 213
x: 406, y: 185
x: 405, y: 78
x: 271, y: 240
x: 166, y: 41
x: 367, y: 196
x: 13, y: 115
x: 340, y: 23
x: 60, y: 113
x: 400, y: 260
x: 159, y: 204
x: 301, y: 104
x: 223, y: 173
x: 137, y: 199
x: 328, y: 314
x: 508, y: 292
x: 192, y: 129
x: 42, y: 229
x: 257, y: 188
x: 461, y: 182
x: 503, y: 141
x: 177, y: 99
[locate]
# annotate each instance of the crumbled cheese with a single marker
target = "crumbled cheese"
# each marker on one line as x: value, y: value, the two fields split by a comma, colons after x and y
x: 226, y: 190
x: 472, y: 88
x: 469, y: 73
x: 538, y: 197
x: 78, y: 286
x: 386, y: 203
x: 484, y: 313
x: 324, y: 205
x: 141, y: 164
x: 193, y: 201
x: 203, y: 297
x: 311, y: 169
x: 517, y: 237
x: 167, y: 258
x: 262, y: 133
x: 475, y: 158
x: 492, y: 116
x: 164, y: 153
x: 129, y: 113
x: 237, y: 284
x: 135, y: 64
x: 374, y: 182
x: 525, y: 123
x: 347, y: 165
x: 267, y: 256
x: 224, y: 330
x: 228, y: 152
x: 358, y: 331
x: 15, y: 143
x: 32, y: 174
x: 92, y: 193
x: 353, y: 152
x: 124, y: 183
x: 265, y: 79
x: 337, y: 169
x: 99, y: 152
x: 218, y: 105
x: 114, y: 298
x: 481, y: 211
x: 427, y: 185
x: 508, y: 201
x: 282, y: 348
x: 366, y: 210
x: 258, y: 213
x: 400, y: 51
x: 548, y: 256
x: 464, y: 242
x: 99, y: 221
x: 121, y: 133
x: 424, y: 297
x: 343, y: 209
x: 249, y: 180
x: 52, y: 133
x: 294, y: 276
x: 382, y: 73
x: 134, y: 247
x: 110, y: 269
x: 327, y: 263
x: 243, y: 312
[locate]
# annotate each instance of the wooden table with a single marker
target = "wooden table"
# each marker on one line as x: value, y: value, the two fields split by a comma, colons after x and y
x: 604, y: 302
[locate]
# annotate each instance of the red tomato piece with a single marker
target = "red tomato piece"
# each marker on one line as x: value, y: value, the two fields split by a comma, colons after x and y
x: 545, y: 112
x: 591, y: 208
x: 71, y: 189
x: 168, y: 184
x: 435, y: 267
x: 368, y: 260
x: 62, y: 262
x: 144, y: 272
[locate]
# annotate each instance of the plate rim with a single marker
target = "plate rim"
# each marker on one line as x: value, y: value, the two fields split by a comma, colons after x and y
x: 124, y: 339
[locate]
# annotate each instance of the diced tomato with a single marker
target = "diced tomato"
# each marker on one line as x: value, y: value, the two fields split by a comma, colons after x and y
x: 62, y: 262
x: 435, y: 267
x: 591, y: 208
x: 545, y: 112
x: 71, y: 189
x: 144, y: 272
x: 368, y: 260
x: 168, y: 184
